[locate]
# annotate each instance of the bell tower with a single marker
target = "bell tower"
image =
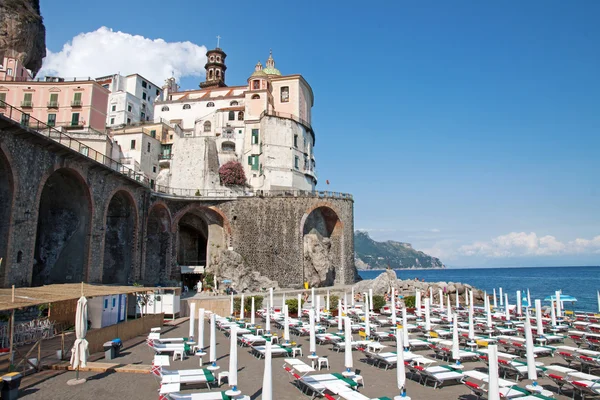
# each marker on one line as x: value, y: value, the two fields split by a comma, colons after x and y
x: 215, y: 68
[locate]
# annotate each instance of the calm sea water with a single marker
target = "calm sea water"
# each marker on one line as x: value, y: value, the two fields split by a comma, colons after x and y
x: 579, y: 282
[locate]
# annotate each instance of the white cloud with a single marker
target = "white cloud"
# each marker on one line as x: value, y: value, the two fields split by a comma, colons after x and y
x: 104, y: 52
x: 517, y: 244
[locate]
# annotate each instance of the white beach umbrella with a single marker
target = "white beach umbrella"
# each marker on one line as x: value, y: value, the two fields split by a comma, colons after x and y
x: 430, y: 295
x: 345, y: 302
x: 493, y: 383
x: 268, y: 319
x: 466, y: 297
x: 232, y: 379
x: 495, y: 300
x: 312, y: 297
x: 299, y: 306
x: 400, y: 368
x: 427, y: 316
x: 213, y: 340
x: 252, y: 312
x: 286, y: 324
x: 242, y: 307
x: 271, y: 303
x: 418, y: 303
x: 313, y: 338
x: 531, y: 370
x: 393, y: 307
x: 552, y: 314
x: 457, y: 300
x: 371, y: 299
x: 519, y: 303
x: 340, y: 316
x: 282, y: 302
x: 327, y: 305
x: 404, y: 327
x: 506, y: 307
x: 449, y: 307
x: 267, y: 386
x: 80, y: 352
x: 528, y: 299
x: 488, y: 312
x: 192, y: 320
x: 441, y: 299
x: 231, y: 311
x: 598, y: 293
x: 501, y: 297
x: 318, y: 309
x: 538, y: 317
x: 348, y: 362
x: 367, y: 318
x: 558, y: 304
x: 471, y: 323
x: 455, y: 348
x: 353, y: 302
x: 200, y: 339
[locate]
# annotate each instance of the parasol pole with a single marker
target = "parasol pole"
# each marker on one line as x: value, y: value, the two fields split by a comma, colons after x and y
x: 12, y: 331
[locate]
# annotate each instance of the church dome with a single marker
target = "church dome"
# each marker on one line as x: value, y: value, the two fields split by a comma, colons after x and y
x: 270, y: 66
x: 259, y: 71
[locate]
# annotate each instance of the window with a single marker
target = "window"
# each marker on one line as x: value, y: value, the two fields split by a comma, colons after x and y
x: 113, y: 108
x: 296, y: 141
x: 253, y: 162
x: 112, y: 121
x: 233, y: 103
x: 129, y: 107
x: 210, y: 74
x: 210, y: 104
x: 9, y: 71
x: 25, y: 119
x: 157, y: 92
x: 171, y: 137
x: 144, y: 84
x: 143, y: 106
x: 128, y: 121
x: 296, y: 162
x: 85, y: 151
x: 51, y: 119
x: 285, y: 94
x: 149, y: 86
x: 105, y: 86
x: 254, y: 136
x: 241, y: 116
x: 144, y: 96
x: 164, y: 108
x: 228, y: 147
x: 254, y: 97
x: 75, y: 119
x: 218, y: 73
x: 143, y: 115
x: 207, y: 126
x: 27, y: 100
x: 153, y: 133
x: 256, y: 84
x: 76, y: 99
x: 53, y: 100
x: 132, y: 146
x: 149, y: 147
x: 187, y: 106
x: 2, y: 98
x: 154, y: 168
x: 231, y: 115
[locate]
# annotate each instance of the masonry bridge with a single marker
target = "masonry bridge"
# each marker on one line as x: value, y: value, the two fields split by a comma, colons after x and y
x: 71, y: 214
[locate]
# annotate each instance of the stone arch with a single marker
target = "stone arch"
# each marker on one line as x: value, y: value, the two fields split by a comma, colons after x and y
x: 322, y: 235
x: 64, y: 222
x: 120, y: 231
x: 158, y: 244
x: 7, y: 194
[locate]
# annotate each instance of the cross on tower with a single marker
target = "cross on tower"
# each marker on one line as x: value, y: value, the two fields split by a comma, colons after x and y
x: 218, y: 40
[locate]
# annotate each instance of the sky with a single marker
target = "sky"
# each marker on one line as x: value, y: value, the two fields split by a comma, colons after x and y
x: 470, y: 129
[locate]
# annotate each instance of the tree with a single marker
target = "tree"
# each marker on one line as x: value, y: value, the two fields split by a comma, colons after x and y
x: 232, y: 174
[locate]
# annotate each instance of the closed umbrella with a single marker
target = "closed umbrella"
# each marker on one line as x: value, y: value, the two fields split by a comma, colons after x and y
x: 519, y: 303
x: 598, y: 293
x: 232, y: 379
x: 531, y: 370
x: 538, y: 317
x: 528, y: 298
x: 80, y: 353
x: 271, y: 304
x: 252, y: 312
x: 404, y: 328
x: 427, y: 316
x: 348, y: 362
x: 231, y: 311
x: 455, y: 348
x: 352, y: 299
x: 268, y: 319
x: 400, y: 368
x: 552, y: 314
x: 558, y: 305
x: 213, y: 340
x: 345, y: 302
x: 313, y: 339
x: 493, y: 383
x: 371, y: 299
x: 283, y: 302
x: 267, y: 386
x: 430, y: 295
x: 192, y: 320
x: 441, y: 299
x: 457, y: 300
x: 393, y: 307
x: 312, y: 297
x: 488, y: 313
x: 340, y: 315
x: 201, y: 333
x: 466, y: 297
x: 495, y: 300
x: 471, y: 324
x: 501, y: 297
x: 318, y: 309
x: 286, y: 324
x: 367, y: 318
x: 506, y: 307
x: 299, y: 306
x: 418, y: 303
x: 449, y: 307
x: 242, y: 307
x: 327, y: 302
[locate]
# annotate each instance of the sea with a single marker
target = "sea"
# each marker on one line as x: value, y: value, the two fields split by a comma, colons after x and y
x: 579, y: 282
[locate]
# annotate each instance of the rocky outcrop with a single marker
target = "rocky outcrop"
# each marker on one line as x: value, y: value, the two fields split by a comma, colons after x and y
x: 228, y: 264
x: 318, y: 260
x: 22, y: 32
x: 387, y: 279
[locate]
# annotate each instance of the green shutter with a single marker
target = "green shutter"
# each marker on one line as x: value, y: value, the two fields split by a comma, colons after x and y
x: 249, y: 160
x: 27, y: 97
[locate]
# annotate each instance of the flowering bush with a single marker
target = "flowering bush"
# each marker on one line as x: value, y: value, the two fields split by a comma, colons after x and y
x: 232, y: 174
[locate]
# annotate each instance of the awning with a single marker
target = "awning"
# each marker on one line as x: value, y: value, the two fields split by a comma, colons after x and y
x: 192, y: 269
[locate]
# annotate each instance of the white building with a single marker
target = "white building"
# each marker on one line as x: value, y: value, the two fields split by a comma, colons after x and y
x: 265, y: 125
x: 131, y: 99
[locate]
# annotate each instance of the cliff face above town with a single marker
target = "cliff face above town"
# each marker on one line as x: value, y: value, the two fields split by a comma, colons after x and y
x: 22, y: 32
x: 370, y: 254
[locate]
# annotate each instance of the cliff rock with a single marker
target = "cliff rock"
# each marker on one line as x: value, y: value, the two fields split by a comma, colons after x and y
x: 22, y: 32
x: 228, y: 264
x: 318, y: 261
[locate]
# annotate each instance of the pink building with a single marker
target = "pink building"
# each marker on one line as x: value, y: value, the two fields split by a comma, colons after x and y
x: 70, y: 105
x: 12, y: 69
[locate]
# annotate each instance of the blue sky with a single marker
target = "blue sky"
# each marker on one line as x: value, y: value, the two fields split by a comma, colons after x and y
x: 467, y: 128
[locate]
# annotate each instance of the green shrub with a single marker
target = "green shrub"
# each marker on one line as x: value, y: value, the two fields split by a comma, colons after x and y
x: 378, y: 302
x: 292, y: 305
x: 209, y: 280
x: 258, y: 300
x: 333, y: 303
x: 409, y: 301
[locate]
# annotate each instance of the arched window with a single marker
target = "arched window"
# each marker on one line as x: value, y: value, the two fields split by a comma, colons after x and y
x: 241, y: 116
x: 210, y: 104
x: 231, y: 115
x: 186, y: 106
x: 285, y: 94
x: 164, y: 108
x: 207, y: 126
x: 256, y: 96
x: 228, y: 147
x: 218, y: 73
x: 210, y: 74
x: 233, y: 103
x: 256, y: 84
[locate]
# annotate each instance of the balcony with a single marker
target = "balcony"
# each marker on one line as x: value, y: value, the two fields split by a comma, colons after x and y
x: 76, y: 103
x: 165, y: 156
x: 53, y: 104
x: 72, y: 124
x: 27, y: 104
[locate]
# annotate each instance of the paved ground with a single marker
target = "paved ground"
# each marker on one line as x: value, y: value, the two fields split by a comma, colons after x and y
x: 116, y: 386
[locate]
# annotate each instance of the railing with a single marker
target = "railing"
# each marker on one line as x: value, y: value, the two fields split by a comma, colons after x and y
x: 27, y: 103
x: 165, y: 156
x: 76, y: 103
x: 53, y: 104
x: 42, y: 128
x: 71, y: 124
x: 232, y: 193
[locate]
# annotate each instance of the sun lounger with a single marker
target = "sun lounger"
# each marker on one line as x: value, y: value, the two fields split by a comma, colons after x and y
x: 316, y: 383
x: 327, y: 338
x: 438, y: 375
x: 198, y: 396
x: 160, y: 348
x: 187, y: 377
x: 276, y: 351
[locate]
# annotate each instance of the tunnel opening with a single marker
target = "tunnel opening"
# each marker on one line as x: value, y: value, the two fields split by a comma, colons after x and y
x: 63, y: 226
x: 120, y: 226
x: 193, y: 240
